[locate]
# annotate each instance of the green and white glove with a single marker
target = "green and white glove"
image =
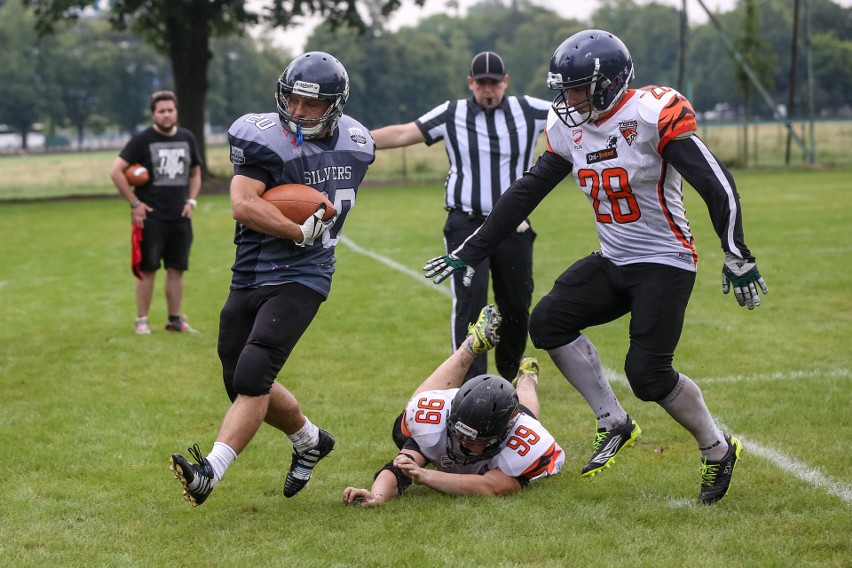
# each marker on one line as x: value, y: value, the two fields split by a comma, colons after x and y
x: 742, y: 274
x: 441, y: 267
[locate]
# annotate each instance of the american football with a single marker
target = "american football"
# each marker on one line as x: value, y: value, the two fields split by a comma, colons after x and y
x: 136, y: 175
x: 298, y: 202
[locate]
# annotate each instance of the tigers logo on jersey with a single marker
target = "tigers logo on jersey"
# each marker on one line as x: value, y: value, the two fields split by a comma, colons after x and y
x: 629, y: 129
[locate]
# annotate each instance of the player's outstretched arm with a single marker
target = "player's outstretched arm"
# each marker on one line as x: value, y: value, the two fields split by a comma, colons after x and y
x: 390, y: 482
x: 493, y: 482
x: 397, y: 135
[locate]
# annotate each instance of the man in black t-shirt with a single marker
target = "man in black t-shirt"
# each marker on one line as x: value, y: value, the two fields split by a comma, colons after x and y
x: 162, y: 207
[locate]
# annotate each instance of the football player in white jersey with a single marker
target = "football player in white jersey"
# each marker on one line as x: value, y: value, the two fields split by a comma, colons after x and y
x: 482, y: 437
x: 629, y: 151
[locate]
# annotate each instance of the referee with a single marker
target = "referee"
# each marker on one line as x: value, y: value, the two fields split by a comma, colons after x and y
x: 490, y: 139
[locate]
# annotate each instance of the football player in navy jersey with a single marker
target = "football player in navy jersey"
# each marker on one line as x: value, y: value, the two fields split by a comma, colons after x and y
x: 628, y: 150
x: 283, y: 269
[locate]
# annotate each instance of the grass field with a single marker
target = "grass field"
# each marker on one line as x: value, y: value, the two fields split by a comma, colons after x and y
x: 37, y: 176
x: 91, y: 412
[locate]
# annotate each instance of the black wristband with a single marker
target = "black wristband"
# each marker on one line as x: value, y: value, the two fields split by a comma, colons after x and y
x: 403, y: 482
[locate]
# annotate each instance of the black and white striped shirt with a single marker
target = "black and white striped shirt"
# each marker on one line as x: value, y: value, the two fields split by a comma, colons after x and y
x: 487, y: 150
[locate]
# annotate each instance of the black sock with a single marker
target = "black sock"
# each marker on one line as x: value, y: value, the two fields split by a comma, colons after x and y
x: 174, y: 319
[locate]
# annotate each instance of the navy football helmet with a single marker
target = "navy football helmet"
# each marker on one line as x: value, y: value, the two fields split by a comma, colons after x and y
x: 483, y: 411
x: 315, y: 75
x: 596, y: 60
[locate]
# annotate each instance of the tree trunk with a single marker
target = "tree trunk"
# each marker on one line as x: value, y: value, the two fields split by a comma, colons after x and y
x: 189, y: 51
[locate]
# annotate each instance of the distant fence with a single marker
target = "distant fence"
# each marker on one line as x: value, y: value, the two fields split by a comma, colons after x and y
x: 755, y: 144
x: 765, y: 143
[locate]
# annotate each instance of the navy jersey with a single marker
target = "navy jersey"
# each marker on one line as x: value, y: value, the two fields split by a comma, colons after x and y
x: 262, y: 149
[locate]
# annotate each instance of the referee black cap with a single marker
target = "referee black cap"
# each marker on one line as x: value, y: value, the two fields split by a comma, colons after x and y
x: 487, y: 65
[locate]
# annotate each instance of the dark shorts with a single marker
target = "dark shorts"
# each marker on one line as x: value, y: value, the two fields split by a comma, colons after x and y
x: 594, y: 291
x: 166, y: 241
x: 509, y: 268
x: 258, y: 329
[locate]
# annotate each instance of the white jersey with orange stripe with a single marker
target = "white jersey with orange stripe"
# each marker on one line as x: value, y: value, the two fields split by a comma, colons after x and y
x: 528, y: 452
x: 636, y: 195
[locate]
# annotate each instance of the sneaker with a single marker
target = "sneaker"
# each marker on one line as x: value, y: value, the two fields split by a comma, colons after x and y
x: 197, y: 478
x: 181, y: 325
x: 528, y: 366
x: 303, y: 464
x: 142, y: 327
x: 484, y: 331
x: 608, y: 444
x: 716, y: 475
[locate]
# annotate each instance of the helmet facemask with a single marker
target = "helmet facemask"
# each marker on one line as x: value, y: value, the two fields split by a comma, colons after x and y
x: 483, y: 412
x: 313, y: 75
x: 460, y: 432
x: 310, y: 127
x: 596, y: 61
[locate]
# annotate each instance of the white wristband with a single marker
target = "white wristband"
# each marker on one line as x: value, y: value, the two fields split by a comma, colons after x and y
x: 192, y: 202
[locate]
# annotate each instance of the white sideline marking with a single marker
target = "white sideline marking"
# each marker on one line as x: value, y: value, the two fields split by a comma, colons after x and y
x: 817, y: 373
x: 396, y: 266
x: 809, y: 475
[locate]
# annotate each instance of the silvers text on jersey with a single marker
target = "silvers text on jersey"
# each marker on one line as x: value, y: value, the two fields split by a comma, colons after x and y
x: 316, y: 177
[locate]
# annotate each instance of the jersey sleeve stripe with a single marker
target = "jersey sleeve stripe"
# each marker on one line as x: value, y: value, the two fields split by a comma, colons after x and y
x: 687, y: 242
x: 729, y: 192
x: 404, y: 427
x: 545, y: 465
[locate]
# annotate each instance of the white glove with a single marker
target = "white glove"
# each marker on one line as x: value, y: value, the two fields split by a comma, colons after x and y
x: 314, y: 227
x: 442, y: 267
x: 743, y: 274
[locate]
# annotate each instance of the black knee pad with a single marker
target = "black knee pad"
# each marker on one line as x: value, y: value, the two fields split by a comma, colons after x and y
x: 544, y: 332
x: 248, y: 385
x: 396, y: 432
x: 648, y: 383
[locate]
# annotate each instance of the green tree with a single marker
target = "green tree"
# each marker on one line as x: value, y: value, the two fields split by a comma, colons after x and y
x: 650, y: 32
x: 242, y: 78
x: 183, y: 30
x: 23, y: 87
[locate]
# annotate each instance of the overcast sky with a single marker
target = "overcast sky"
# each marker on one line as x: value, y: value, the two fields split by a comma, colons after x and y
x: 294, y: 38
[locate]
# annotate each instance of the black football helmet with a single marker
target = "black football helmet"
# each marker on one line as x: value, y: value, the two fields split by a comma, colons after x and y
x: 594, y: 59
x: 483, y: 411
x: 316, y: 75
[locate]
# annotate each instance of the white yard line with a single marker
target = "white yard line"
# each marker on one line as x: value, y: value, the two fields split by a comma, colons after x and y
x: 396, y: 266
x: 804, y: 472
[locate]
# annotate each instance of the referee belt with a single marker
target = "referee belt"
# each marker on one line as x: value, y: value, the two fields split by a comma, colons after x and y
x: 468, y: 214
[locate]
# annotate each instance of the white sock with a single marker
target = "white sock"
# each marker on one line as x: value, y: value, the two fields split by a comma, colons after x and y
x: 306, y: 438
x: 686, y: 405
x: 220, y: 457
x: 581, y: 365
